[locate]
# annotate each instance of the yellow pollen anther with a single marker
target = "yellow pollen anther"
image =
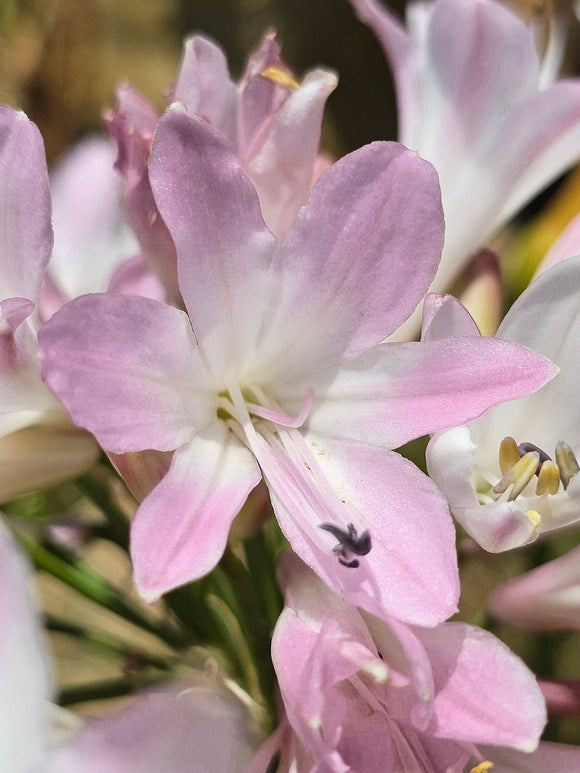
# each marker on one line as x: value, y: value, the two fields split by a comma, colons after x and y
x: 483, y: 767
x: 548, y: 479
x: 567, y: 462
x: 508, y: 454
x: 519, y: 475
x: 534, y: 517
x: 280, y: 78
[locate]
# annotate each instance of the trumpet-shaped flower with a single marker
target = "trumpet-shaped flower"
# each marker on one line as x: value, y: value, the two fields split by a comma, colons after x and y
x: 369, y: 695
x: 475, y: 100
x: 279, y: 371
x: 512, y: 474
x: 272, y: 122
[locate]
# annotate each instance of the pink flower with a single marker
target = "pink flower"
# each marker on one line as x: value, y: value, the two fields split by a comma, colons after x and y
x: 475, y: 100
x: 279, y: 371
x: 369, y: 695
x: 504, y: 491
x: 272, y: 122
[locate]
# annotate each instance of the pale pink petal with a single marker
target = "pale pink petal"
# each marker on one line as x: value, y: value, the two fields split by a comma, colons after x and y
x: 25, y: 226
x: 205, y: 87
x: 26, y: 683
x: 134, y: 277
x: 445, y: 317
x: 546, y: 598
x: 411, y: 571
x: 548, y: 758
x: 483, y: 692
x: 142, y: 470
x: 282, y: 167
x: 496, y: 526
x: 126, y: 368
x: 223, y: 247
x: 359, y: 258
x: 199, y: 729
x: 180, y: 531
x: 91, y: 233
x: 132, y: 126
x: 398, y: 392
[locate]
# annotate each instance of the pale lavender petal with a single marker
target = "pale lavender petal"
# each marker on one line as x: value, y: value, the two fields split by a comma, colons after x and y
x: 445, y: 317
x: 205, y: 87
x: 223, y: 247
x: 483, y: 692
x: 180, y: 531
x: 548, y: 758
x: 127, y: 369
x: 25, y: 226
x: 359, y: 258
x: 282, y: 166
x: 496, y: 526
x: 546, y: 598
x: 26, y: 684
x: 134, y: 277
x: 198, y: 729
x: 142, y: 470
x: 91, y: 233
x: 398, y: 392
x: 410, y: 572
x: 132, y: 126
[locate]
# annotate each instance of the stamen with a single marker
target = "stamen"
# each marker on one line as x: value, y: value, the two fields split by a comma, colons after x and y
x: 280, y: 78
x: 349, y: 542
x: 483, y: 767
x: 281, y: 418
x: 524, y: 448
x: 567, y: 463
x: 519, y: 475
x: 548, y: 478
x: 534, y: 517
x: 508, y: 454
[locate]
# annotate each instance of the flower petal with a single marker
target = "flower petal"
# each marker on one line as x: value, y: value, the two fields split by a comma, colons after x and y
x: 411, y: 570
x: 360, y: 256
x: 282, y: 169
x: 547, y: 598
x: 127, y: 369
x: 180, y: 530
x: 223, y: 247
x: 205, y: 87
x: 398, y: 392
x: 548, y: 758
x: 25, y: 225
x: 483, y: 692
x: 496, y: 526
x: 26, y: 683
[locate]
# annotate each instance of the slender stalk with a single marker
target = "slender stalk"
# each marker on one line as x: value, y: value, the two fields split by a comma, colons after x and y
x: 99, y: 495
x: 108, y: 688
x: 90, y: 584
x: 107, y: 643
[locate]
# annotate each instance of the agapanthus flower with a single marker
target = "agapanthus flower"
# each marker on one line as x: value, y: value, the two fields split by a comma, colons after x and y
x: 199, y: 727
x: 272, y: 121
x: 279, y: 371
x: 474, y: 99
x: 377, y: 695
x: 511, y: 475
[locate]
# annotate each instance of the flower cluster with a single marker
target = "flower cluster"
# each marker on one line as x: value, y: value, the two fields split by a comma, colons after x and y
x: 211, y: 322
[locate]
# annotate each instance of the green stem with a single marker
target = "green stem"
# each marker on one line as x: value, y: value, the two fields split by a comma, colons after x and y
x: 108, y: 688
x: 90, y: 584
x: 100, y: 496
x: 107, y: 643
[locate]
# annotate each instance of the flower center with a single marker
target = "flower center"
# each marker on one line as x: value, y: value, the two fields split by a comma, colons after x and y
x: 519, y: 464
